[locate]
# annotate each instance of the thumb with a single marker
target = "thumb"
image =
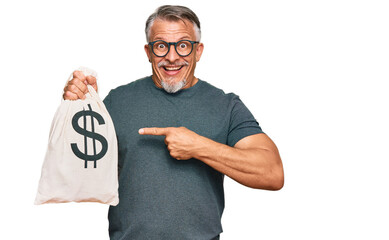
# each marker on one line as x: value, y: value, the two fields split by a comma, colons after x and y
x: 91, y: 80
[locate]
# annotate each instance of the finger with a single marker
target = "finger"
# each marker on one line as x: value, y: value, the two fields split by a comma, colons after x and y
x: 175, y: 155
x: 154, y: 131
x: 79, y: 84
x: 68, y: 95
x: 79, y: 75
x: 76, y: 86
x: 91, y: 80
x: 74, y: 89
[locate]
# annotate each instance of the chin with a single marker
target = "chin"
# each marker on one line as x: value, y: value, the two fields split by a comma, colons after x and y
x: 172, y: 87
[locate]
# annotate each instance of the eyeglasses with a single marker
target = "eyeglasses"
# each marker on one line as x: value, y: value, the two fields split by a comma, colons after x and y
x: 161, y: 48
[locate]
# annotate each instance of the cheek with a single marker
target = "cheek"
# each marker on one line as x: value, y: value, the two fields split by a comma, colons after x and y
x: 154, y: 63
x: 192, y: 64
x: 191, y: 61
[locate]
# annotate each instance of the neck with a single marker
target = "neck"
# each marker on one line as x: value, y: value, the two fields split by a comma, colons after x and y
x: 188, y: 84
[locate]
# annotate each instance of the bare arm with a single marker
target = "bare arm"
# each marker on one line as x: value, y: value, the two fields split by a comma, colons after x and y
x: 254, y: 161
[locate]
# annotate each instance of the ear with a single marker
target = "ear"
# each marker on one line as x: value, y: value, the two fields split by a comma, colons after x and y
x: 199, y: 51
x: 147, y: 50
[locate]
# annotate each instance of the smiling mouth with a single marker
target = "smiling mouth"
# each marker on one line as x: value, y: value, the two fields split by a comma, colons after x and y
x: 174, y: 68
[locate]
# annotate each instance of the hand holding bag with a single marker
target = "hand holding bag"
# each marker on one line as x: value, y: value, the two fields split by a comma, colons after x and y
x: 81, y: 162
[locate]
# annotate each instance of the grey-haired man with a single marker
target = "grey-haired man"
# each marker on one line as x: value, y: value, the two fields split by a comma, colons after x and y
x: 178, y: 136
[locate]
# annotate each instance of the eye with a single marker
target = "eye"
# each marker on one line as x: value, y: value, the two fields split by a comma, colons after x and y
x: 183, y: 45
x: 161, y: 46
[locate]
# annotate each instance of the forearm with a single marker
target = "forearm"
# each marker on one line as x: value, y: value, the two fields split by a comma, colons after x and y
x: 253, y: 161
x: 254, y: 167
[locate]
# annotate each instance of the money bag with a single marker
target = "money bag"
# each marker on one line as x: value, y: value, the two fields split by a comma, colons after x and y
x: 81, y: 162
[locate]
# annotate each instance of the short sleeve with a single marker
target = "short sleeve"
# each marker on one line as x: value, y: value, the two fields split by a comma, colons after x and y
x: 242, y: 123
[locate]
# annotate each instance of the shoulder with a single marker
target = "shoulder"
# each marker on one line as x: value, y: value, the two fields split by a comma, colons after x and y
x: 217, y: 93
x: 225, y: 101
x: 120, y: 97
x: 131, y: 87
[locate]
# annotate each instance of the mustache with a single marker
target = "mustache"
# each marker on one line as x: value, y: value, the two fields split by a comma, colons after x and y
x: 176, y: 64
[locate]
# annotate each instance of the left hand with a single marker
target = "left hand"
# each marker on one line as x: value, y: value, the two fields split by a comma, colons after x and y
x: 181, y: 142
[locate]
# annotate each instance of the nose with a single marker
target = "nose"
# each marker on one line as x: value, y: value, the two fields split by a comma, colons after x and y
x: 172, y: 55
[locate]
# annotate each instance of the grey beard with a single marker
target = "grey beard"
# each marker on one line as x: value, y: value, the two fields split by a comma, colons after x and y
x: 173, y: 88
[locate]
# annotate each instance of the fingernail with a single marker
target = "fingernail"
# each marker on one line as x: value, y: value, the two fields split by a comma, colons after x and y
x: 141, y: 131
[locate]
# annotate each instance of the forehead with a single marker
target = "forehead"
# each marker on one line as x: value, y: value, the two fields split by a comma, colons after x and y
x: 172, y: 30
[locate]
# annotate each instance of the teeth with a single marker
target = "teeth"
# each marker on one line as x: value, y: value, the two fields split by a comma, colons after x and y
x: 172, y: 68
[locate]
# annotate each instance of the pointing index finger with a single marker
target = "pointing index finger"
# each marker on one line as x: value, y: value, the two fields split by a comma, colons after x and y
x: 154, y: 131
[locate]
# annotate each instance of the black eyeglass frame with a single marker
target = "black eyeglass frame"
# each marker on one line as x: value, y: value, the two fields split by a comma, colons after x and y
x: 175, y: 47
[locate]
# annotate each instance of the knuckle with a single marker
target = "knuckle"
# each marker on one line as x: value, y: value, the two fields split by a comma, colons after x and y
x: 78, y: 74
x: 68, y: 95
x: 173, y: 154
x: 83, y: 87
x: 72, y: 88
x: 75, y: 81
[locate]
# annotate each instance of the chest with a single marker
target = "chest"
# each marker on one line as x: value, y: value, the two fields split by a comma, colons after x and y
x: 205, y: 118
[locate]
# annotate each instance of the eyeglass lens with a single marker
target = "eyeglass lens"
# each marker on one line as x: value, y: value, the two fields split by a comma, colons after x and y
x: 183, y: 48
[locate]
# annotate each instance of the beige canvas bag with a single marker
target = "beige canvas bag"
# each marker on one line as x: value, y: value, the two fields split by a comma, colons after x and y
x: 81, y: 162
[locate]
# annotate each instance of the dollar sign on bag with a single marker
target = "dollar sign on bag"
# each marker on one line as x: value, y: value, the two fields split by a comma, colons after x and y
x: 91, y: 134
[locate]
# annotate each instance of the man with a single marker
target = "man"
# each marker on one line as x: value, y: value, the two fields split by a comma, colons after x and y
x: 178, y: 136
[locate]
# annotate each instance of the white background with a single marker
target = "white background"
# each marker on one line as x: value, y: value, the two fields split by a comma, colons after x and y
x: 313, y: 73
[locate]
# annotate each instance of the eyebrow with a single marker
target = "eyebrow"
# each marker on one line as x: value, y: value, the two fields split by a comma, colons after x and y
x: 182, y: 38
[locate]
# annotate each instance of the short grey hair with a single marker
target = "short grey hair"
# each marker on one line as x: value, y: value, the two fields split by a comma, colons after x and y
x: 173, y: 13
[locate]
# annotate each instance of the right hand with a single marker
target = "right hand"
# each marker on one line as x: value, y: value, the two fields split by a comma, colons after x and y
x: 77, y: 87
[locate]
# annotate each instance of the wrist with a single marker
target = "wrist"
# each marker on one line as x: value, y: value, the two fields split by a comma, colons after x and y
x: 206, y: 149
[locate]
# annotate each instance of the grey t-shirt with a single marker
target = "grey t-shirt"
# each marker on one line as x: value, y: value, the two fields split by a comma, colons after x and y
x: 161, y: 197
